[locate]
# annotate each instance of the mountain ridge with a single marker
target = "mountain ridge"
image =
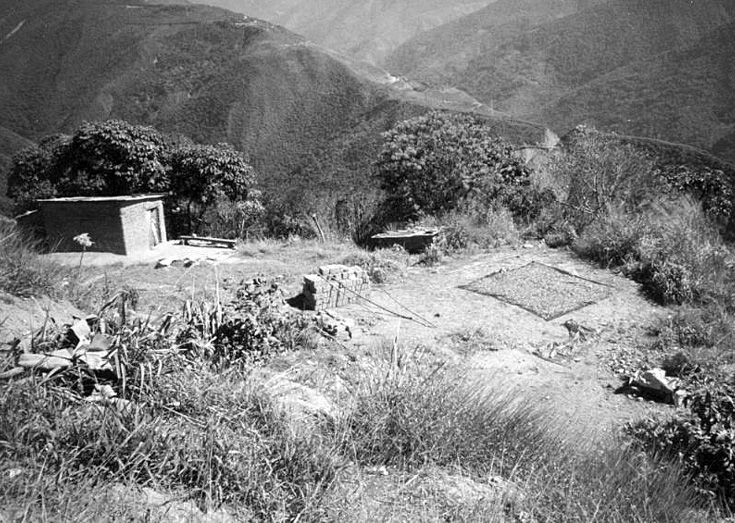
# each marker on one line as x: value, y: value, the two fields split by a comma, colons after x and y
x: 534, y: 68
x: 365, y: 29
x: 299, y: 115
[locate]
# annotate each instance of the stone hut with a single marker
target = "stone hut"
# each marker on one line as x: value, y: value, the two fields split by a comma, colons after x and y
x: 117, y: 224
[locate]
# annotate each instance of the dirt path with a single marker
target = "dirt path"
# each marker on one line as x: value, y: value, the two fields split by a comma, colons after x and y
x: 495, y: 340
x: 502, y: 337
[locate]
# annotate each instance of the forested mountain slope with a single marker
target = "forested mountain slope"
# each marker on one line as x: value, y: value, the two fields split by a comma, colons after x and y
x: 364, y: 29
x: 661, y: 68
x: 306, y: 121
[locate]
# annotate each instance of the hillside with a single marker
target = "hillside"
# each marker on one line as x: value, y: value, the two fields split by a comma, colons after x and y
x: 604, y: 63
x: 209, y: 74
x: 9, y: 144
x: 364, y: 29
x: 438, y: 55
x: 685, y: 95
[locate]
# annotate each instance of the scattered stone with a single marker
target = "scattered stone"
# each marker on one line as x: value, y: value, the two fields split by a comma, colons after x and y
x: 654, y: 385
x: 164, y: 262
x: 336, y: 326
x: 378, y: 471
x: 45, y: 362
x: 96, y: 354
x: 148, y: 504
x: 576, y: 330
x: 298, y: 401
x: 14, y: 473
x: 79, y: 333
x: 653, y: 382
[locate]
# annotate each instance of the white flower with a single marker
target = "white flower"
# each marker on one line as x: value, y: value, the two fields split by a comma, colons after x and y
x: 84, y: 240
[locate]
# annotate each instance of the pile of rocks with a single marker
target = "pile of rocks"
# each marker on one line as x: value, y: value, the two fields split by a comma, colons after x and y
x: 335, y: 286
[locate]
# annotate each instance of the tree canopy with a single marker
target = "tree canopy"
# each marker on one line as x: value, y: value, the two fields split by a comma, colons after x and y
x: 430, y: 164
x: 116, y: 158
x: 201, y: 175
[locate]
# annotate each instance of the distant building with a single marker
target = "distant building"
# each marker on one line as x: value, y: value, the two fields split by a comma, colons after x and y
x: 117, y: 224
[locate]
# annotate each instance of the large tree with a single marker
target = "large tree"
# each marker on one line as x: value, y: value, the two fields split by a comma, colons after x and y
x: 109, y: 158
x: 116, y: 158
x: 430, y: 164
x: 113, y: 158
x: 203, y: 175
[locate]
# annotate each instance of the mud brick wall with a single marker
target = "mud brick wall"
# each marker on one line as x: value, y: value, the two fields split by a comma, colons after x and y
x: 121, y: 225
x: 100, y: 219
x: 335, y: 286
x: 141, y: 231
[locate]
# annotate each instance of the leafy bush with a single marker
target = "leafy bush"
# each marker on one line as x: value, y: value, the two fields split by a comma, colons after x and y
x: 249, y: 329
x: 115, y: 158
x: 477, y: 227
x: 709, y: 186
x: 681, y: 258
x: 613, y: 240
x: 429, y: 164
x: 203, y: 175
x: 526, y: 202
x: 670, y: 248
x: 702, y: 440
x: 601, y: 172
x: 99, y: 159
x: 235, y: 220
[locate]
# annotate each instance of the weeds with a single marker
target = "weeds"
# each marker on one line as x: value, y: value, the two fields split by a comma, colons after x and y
x: 247, y: 330
x: 236, y: 448
x: 382, y: 265
x: 669, y: 248
x: 22, y: 272
x: 701, y: 440
x: 411, y: 417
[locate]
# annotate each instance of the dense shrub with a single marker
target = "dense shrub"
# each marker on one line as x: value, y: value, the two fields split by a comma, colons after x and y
x: 613, y: 239
x: 697, y: 327
x: 703, y: 440
x: 709, y: 186
x: 477, y: 227
x: 670, y: 248
x: 249, y: 329
x: 600, y: 172
x: 430, y: 164
x: 202, y: 176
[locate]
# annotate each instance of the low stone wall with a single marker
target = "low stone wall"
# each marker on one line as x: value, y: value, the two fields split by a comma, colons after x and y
x: 335, y: 286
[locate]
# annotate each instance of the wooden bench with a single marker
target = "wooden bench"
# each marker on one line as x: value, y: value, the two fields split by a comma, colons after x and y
x: 212, y: 241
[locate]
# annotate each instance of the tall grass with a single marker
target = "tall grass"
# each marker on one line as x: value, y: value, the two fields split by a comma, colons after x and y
x: 413, y: 418
x: 223, y: 443
x: 669, y: 247
x: 22, y: 272
x: 215, y: 437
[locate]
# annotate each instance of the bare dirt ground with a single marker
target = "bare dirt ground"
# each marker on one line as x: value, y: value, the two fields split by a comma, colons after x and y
x: 427, y: 311
x: 500, y: 344
x: 497, y: 341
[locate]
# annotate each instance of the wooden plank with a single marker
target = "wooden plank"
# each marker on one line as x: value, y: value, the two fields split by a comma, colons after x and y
x: 206, y: 239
